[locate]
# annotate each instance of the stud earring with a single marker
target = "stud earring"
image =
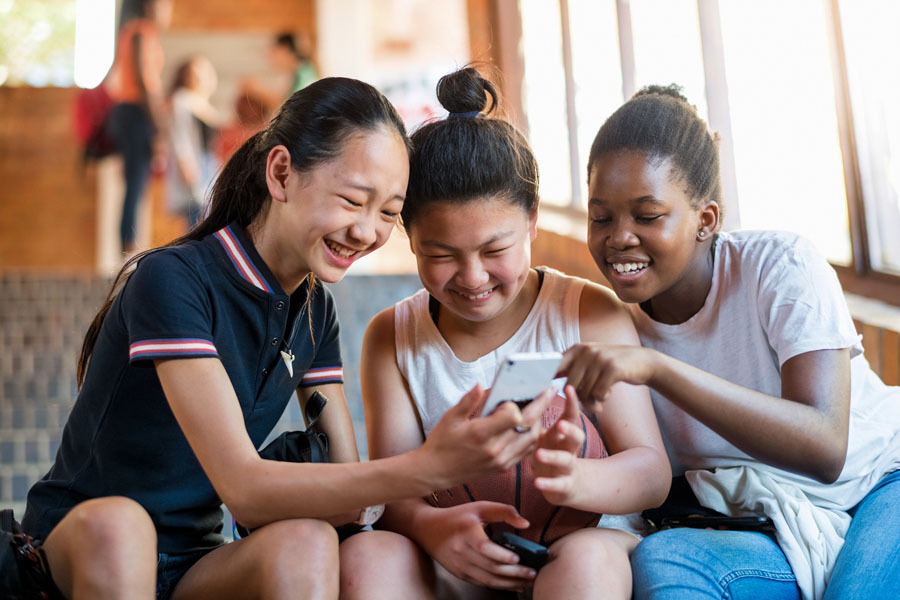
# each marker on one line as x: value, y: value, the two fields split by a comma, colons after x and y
x: 701, y: 234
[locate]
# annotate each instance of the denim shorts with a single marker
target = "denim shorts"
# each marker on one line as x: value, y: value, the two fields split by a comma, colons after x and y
x: 170, y: 568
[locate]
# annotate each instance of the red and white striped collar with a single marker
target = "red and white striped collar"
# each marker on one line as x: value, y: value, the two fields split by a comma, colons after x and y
x: 243, y: 256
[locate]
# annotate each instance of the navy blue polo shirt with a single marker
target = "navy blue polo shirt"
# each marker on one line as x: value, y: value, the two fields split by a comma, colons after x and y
x: 212, y: 298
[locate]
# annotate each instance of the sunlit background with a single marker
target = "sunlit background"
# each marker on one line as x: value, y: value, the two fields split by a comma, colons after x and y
x: 774, y: 83
x: 767, y: 68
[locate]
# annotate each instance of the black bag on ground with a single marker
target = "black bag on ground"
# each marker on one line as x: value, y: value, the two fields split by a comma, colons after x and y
x: 10, y: 580
x: 310, y: 445
x: 24, y: 572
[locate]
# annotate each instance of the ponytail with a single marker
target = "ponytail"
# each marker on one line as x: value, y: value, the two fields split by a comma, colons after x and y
x: 313, y: 125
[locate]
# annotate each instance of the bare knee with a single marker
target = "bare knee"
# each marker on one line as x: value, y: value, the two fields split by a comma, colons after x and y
x: 383, y: 564
x: 597, y: 545
x: 377, y: 547
x: 102, y: 545
x: 111, y: 523
x: 588, y: 563
x: 307, y: 538
x: 298, y: 552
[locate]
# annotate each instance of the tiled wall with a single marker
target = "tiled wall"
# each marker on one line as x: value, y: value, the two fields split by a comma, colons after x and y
x: 42, y: 321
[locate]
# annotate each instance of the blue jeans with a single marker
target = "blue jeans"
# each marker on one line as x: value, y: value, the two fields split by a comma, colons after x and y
x: 738, y: 565
x: 132, y: 130
x: 170, y: 568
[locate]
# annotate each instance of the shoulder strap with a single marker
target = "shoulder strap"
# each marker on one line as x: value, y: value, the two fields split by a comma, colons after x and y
x: 8, y: 521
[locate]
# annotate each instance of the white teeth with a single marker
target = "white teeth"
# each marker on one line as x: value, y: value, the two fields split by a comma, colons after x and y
x: 339, y: 250
x: 629, y: 267
x: 475, y: 297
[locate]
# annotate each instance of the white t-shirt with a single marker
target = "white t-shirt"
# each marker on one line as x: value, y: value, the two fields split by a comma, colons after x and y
x: 773, y: 297
x: 437, y: 379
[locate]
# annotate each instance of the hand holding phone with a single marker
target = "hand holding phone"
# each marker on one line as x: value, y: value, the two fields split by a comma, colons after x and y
x: 530, y: 553
x: 521, y: 378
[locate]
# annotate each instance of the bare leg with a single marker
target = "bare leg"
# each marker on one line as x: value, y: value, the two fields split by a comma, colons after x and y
x: 286, y: 559
x: 104, y: 548
x: 451, y: 587
x: 379, y: 565
x: 383, y: 564
x: 589, y: 563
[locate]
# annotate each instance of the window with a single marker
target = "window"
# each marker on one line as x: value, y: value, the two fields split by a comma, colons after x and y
x: 95, y: 43
x: 870, y: 38
x: 787, y: 154
x: 545, y: 98
x: 667, y: 47
x: 56, y: 42
x: 36, y: 41
x: 800, y: 92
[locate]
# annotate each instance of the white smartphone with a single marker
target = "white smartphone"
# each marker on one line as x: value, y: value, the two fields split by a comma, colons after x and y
x: 521, y: 378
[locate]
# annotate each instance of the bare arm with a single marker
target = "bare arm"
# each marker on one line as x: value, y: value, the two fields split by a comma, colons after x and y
x: 336, y: 424
x: 153, y: 101
x: 392, y: 424
x: 455, y: 536
x: 334, y: 421
x: 804, y: 431
x: 261, y: 491
x: 636, y: 475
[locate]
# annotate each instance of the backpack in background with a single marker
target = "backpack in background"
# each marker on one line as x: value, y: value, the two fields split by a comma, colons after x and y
x: 90, y: 117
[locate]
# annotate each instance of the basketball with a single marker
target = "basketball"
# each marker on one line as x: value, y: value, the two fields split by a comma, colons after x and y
x: 515, y: 486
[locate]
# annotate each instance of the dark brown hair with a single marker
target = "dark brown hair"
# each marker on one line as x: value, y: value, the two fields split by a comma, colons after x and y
x: 470, y: 154
x: 660, y: 122
x: 313, y: 124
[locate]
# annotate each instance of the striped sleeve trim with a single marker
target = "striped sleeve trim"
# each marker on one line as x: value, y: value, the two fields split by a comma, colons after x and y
x: 323, y: 375
x: 171, y: 348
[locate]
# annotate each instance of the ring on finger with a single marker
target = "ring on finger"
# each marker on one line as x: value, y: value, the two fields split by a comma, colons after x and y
x: 521, y: 429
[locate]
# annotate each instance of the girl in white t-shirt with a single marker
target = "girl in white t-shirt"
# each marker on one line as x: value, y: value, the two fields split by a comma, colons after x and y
x: 764, y: 399
x: 470, y: 214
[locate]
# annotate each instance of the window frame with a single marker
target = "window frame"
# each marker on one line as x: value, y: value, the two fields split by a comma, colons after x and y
x: 859, y: 277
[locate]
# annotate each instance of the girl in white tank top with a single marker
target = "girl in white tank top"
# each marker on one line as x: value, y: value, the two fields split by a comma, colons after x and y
x: 471, y: 215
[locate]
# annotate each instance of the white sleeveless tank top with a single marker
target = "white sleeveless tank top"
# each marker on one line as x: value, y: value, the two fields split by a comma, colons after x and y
x: 437, y: 379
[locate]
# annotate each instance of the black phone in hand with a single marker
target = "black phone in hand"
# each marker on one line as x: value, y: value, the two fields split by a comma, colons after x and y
x: 530, y: 553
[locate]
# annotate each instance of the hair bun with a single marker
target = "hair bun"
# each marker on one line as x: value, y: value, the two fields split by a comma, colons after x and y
x: 672, y: 90
x: 466, y: 91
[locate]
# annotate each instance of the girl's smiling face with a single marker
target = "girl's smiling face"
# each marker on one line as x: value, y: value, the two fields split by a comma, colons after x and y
x: 647, y: 236
x: 474, y: 257
x: 325, y: 220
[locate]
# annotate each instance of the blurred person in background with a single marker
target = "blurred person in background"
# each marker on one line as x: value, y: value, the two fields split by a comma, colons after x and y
x: 250, y: 116
x: 194, y: 123
x: 138, y: 118
x: 291, y: 55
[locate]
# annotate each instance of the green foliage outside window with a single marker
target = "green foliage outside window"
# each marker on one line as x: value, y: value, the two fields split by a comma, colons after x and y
x: 37, y: 42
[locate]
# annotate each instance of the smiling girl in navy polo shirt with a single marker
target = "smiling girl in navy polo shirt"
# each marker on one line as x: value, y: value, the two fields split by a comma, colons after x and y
x: 190, y: 363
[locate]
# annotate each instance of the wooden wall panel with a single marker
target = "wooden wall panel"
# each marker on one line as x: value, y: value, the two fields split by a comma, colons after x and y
x: 46, y: 198
x: 245, y: 15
